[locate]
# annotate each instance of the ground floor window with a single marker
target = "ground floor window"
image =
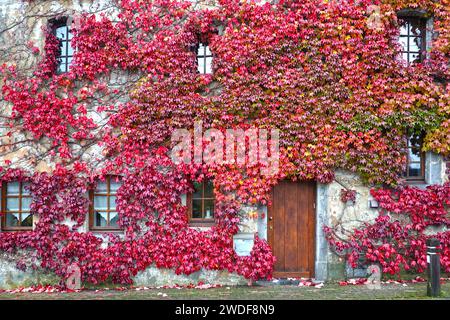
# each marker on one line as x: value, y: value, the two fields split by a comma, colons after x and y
x: 16, y: 201
x: 201, y: 204
x: 415, y: 161
x: 103, y: 215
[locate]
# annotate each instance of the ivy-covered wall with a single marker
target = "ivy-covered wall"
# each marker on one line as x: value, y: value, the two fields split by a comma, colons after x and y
x: 326, y: 74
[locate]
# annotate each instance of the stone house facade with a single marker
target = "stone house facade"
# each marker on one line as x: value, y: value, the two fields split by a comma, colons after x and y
x: 314, y: 205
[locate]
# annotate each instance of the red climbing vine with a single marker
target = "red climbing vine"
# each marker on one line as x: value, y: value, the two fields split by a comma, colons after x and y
x: 333, y: 85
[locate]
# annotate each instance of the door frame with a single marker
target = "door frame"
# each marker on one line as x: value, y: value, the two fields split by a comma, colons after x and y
x: 311, y: 230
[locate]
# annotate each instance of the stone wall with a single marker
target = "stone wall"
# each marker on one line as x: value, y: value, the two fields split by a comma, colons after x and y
x: 347, y: 216
x: 11, y: 277
x: 331, y: 211
x: 153, y: 277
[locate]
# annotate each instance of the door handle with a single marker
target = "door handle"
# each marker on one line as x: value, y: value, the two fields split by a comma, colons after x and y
x: 270, y: 218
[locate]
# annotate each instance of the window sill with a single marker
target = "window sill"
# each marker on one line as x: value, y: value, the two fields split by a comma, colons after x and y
x: 415, y: 182
x: 106, y: 230
x: 195, y: 224
x: 16, y: 229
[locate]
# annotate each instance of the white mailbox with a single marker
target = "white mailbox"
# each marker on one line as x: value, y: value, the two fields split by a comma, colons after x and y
x: 243, y: 243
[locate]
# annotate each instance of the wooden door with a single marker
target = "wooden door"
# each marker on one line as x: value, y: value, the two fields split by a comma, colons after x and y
x: 292, y: 228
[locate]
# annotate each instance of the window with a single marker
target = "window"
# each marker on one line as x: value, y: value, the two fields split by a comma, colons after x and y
x: 62, y: 32
x: 16, y: 201
x: 103, y: 214
x: 204, y: 59
x: 415, y: 162
x: 201, y: 204
x: 412, y: 38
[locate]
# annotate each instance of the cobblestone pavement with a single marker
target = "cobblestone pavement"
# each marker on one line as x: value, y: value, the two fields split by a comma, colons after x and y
x: 328, y: 291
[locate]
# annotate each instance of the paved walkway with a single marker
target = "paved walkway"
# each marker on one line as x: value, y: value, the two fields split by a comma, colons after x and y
x: 328, y: 291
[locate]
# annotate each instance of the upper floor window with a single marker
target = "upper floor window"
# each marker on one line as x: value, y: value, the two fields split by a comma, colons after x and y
x: 201, y: 204
x: 103, y: 214
x: 204, y: 59
x: 415, y: 162
x: 62, y: 32
x: 413, y: 38
x: 16, y: 201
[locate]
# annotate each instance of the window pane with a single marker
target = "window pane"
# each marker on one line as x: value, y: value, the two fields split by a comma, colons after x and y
x: 404, y: 43
x: 197, y: 190
x: 100, y: 219
x: 414, y: 57
x: 404, y: 29
x: 415, y: 44
x: 101, y: 203
x: 62, y: 67
x: 101, y: 187
x: 414, y: 155
x: 114, y: 185
x: 416, y: 27
x: 201, y: 65
x: 63, y: 48
x: 405, y: 56
x: 197, y: 209
x: 209, y: 190
x: 25, y: 188
x: 113, y: 219
x: 112, y: 202
x: 69, y: 63
x: 61, y: 32
x: 208, y: 65
x: 12, y: 188
x: 12, y: 220
x: 12, y: 204
x: 26, y: 202
x: 70, y: 49
x: 201, y: 49
x: 207, y: 51
x: 27, y: 220
x: 414, y: 170
x: 209, y: 209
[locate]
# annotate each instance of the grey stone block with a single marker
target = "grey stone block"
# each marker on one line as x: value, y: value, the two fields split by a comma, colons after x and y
x: 153, y: 276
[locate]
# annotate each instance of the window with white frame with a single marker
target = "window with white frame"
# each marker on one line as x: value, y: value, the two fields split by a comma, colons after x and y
x: 62, y: 32
x: 413, y: 38
x: 204, y: 59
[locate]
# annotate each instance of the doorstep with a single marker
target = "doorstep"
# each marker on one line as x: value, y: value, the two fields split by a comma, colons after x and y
x: 281, y: 282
